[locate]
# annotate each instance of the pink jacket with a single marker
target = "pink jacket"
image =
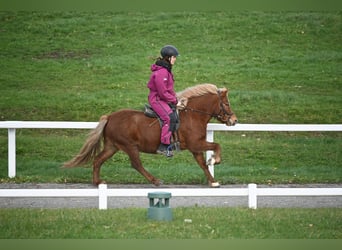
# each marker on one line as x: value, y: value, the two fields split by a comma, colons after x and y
x: 161, y: 85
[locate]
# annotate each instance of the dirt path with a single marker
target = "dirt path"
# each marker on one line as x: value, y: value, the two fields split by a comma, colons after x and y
x: 142, y: 202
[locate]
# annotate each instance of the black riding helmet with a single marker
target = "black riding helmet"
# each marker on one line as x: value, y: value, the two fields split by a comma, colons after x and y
x: 168, y: 51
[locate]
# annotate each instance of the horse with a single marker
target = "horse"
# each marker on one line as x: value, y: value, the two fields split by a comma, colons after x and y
x: 132, y: 132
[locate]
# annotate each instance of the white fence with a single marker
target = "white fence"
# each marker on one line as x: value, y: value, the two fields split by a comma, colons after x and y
x: 103, y: 193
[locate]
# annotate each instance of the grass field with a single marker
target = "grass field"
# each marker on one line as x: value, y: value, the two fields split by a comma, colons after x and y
x: 206, y: 223
x: 280, y: 67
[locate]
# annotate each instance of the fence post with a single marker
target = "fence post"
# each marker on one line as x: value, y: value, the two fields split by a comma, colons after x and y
x: 252, y: 195
x: 103, y: 196
x: 11, y: 152
x: 210, y: 138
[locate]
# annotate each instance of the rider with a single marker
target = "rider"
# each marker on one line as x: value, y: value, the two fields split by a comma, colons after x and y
x: 162, y: 94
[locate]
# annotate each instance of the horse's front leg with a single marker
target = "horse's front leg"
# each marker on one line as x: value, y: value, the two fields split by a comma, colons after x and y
x: 201, y: 161
x: 216, y: 156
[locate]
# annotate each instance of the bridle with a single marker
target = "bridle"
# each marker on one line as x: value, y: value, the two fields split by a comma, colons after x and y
x: 218, y: 116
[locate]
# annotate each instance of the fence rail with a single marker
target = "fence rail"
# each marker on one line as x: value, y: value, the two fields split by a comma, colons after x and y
x: 102, y: 192
x: 13, y: 125
x: 211, y: 126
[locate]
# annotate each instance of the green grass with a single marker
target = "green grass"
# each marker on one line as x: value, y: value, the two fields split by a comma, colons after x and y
x: 280, y: 67
x: 207, y: 223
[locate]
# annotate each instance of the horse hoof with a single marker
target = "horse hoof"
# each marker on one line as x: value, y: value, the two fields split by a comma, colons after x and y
x: 158, y: 183
x: 214, y: 184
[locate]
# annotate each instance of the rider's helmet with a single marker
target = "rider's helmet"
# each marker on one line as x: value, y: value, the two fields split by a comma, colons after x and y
x: 168, y: 51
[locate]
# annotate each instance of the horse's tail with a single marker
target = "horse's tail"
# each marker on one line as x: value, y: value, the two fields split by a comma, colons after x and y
x: 91, y: 147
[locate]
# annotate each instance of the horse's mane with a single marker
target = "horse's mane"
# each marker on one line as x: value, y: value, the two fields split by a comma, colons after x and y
x: 198, y: 90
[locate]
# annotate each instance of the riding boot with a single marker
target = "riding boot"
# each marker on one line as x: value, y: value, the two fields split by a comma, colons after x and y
x: 165, y: 149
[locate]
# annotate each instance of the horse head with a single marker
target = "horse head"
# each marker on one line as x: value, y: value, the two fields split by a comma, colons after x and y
x: 213, y: 102
x: 225, y: 114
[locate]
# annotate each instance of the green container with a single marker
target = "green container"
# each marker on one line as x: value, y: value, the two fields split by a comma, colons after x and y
x: 159, y: 206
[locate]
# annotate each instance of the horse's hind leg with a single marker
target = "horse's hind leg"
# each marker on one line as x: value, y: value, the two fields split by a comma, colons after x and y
x: 133, y: 154
x: 105, y: 154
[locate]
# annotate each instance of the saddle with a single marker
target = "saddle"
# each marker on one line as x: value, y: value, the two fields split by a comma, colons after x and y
x: 174, y: 123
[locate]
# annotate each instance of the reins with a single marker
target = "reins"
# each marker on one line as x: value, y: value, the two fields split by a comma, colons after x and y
x: 211, y: 114
x: 207, y: 113
x: 198, y: 111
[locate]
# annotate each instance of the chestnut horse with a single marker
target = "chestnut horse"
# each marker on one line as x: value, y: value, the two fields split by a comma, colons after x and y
x: 133, y: 132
